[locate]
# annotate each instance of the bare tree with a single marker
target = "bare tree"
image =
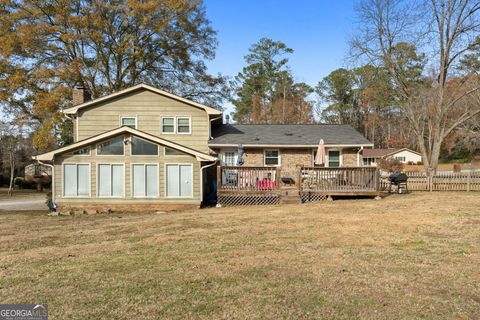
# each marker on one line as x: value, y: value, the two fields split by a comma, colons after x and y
x: 391, y: 32
x: 8, y: 147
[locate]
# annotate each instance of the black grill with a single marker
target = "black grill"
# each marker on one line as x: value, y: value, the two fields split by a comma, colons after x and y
x: 397, y: 178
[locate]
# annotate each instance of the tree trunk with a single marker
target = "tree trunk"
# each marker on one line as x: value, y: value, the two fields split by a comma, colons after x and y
x: 12, y: 173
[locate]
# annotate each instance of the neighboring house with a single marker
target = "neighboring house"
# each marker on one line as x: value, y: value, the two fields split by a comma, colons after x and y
x: 144, y: 148
x: 404, y: 155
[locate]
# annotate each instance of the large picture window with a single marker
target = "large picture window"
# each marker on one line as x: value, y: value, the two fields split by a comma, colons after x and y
x: 145, y: 180
x: 271, y: 158
x: 141, y: 147
x: 113, y: 146
x: 76, y: 180
x: 111, y: 180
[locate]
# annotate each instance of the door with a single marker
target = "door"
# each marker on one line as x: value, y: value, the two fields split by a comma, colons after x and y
x: 179, y: 180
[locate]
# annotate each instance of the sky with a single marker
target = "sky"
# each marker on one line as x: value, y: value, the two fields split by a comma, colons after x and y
x: 317, y: 31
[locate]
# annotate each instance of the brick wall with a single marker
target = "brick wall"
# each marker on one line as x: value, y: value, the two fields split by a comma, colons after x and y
x: 349, y: 157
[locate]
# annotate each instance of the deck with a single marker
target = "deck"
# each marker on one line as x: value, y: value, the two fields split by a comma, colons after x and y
x: 238, y: 185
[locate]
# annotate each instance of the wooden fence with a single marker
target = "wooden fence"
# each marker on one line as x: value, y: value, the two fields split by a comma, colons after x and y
x: 339, y: 181
x: 441, y: 181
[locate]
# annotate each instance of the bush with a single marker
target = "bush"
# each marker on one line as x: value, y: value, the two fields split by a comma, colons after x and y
x: 390, y: 165
x: 21, y: 183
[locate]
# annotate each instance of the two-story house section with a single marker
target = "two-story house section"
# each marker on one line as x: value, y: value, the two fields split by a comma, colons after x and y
x: 139, y: 148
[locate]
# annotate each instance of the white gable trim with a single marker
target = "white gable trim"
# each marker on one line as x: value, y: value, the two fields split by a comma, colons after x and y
x: 74, y: 110
x: 200, y: 156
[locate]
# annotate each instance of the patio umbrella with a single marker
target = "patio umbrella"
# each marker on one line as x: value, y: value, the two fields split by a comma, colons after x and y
x: 240, y: 155
x: 320, y: 157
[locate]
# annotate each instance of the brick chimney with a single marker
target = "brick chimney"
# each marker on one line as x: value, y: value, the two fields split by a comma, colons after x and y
x: 80, y: 95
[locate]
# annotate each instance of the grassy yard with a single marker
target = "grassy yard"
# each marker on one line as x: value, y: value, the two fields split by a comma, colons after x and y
x: 404, y: 257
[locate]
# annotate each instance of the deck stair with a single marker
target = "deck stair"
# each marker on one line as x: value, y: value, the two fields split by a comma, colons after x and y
x: 290, y: 196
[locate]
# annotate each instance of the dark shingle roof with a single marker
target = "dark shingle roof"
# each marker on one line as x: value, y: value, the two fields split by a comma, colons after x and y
x: 286, y: 134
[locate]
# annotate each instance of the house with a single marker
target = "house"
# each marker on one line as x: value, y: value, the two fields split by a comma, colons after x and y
x: 404, y: 155
x: 146, y: 149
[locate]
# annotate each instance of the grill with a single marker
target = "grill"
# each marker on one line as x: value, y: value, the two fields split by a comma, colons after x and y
x: 399, y: 180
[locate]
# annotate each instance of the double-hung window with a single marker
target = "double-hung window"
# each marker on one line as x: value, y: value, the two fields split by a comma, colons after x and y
x: 145, y: 180
x: 76, y: 180
x: 176, y: 125
x: 111, y: 180
x: 130, y: 122
x: 183, y: 125
x: 271, y: 158
x: 334, y: 158
x: 168, y: 125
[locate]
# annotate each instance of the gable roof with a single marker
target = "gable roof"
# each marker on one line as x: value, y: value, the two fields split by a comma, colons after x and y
x: 199, y: 155
x: 381, y: 153
x: 286, y: 135
x: 74, y: 109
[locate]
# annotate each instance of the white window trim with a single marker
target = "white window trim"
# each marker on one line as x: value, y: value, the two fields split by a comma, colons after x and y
x: 84, y: 154
x: 327, y: 157
x: 110, y: 155
x: 89, y: 180
x: 189, y: 124
x: 165, y: 181
x: 129, y: 117
x: 272, y: 165
x: 124, y: 179
x: 222, y: 153
x: 174, y: 124
x: 131, y: 180
x: 144, y: 155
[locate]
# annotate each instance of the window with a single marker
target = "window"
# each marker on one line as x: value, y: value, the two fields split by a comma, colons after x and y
x: 173, y: 152
x: 76, y: 180
x: 183, y: 125
x: 114, y: 146
x: 111, y: 180
x: 145, y: 180
x: 334, y: 158
x: 179, y: 180
x: 168, y: 125
x: 229, y: 158
x: 401, y: 158
x: 141, y: 147
x: 83, y: 151
x: 271, y: 158
x: 368, y: 161
x: 130, y: 122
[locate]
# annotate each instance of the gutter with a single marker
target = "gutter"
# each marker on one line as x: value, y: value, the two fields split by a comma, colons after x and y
x: 201, y: 178
x: 53, y: 179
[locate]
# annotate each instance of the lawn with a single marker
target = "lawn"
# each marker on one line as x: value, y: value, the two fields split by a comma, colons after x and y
x: 403, y: 257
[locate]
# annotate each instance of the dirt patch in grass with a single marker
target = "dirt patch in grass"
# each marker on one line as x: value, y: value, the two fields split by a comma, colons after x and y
x: 406, y: 256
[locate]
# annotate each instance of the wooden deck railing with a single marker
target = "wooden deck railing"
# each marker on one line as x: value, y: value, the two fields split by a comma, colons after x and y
x: 344, y: 180
x: 441, y: 181
x: 235, y: 179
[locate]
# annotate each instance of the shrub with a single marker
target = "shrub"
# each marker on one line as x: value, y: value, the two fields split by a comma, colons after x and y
x: 390, y: 165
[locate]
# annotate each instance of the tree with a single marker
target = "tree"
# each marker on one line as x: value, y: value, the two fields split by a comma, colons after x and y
x: 104, y: 46
x: 434, y: 103
x: 265, y: 91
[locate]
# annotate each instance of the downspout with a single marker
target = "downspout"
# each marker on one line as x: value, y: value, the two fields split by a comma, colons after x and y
x: 201, y: 178
x: 53, y: 179
x: 358, y: 156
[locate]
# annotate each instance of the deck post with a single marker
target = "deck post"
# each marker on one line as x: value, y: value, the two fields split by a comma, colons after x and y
x: 219, y: 177
x: 278, y: 171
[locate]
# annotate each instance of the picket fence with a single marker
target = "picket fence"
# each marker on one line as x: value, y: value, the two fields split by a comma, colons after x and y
x: 441, y: 181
